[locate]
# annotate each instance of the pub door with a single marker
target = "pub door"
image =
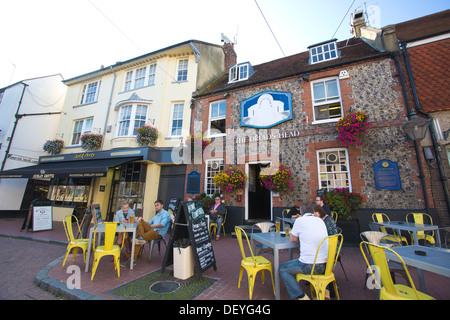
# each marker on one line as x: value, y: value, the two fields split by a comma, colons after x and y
x: 259, y: 206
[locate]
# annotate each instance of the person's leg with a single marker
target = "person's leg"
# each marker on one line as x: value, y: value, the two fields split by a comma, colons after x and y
x: 287, y: 272
x: 144, y: 231
x: 219, y: 227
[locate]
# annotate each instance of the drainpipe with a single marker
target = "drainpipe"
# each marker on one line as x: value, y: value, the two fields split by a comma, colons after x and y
x: 443, y: 178
x: 109, y: 107
x: 416, y: 145
x: 17, y: 116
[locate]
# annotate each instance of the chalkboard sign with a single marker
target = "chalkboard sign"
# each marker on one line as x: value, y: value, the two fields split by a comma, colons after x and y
x: 387, y: 175
x: 96, y: 213
x: 191, y: 221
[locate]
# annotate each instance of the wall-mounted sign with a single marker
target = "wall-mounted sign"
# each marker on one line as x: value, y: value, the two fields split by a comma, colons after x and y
x: 387, y: 175
x: 266, y: 109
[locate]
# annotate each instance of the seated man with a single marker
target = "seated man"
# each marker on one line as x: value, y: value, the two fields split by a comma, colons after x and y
x: 309, y: 231
x: 154, y: 229
x: 123, y: 215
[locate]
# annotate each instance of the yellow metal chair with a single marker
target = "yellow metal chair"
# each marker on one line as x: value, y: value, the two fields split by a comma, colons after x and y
x: 383, y: 239
x: 383, y: 279
x: 213, y: 225
x: 334, y: 215
x: 319, y: 282
x: 73, y: 243
x: 253, y: 264
x: 109, y: 248
x: 264, y: 227
x: 419, y: 218
x: 285, y: 212
x: 381, y: 217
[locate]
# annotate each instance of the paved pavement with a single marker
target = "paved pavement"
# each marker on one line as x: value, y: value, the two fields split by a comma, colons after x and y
x: 30, y: 258
x: 20, y: 262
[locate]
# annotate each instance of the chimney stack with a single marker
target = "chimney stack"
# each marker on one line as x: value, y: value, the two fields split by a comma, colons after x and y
x: 230, y: 54
x: 357, y: 22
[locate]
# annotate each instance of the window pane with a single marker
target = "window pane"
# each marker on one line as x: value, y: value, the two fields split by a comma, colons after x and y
x: 332, y: 89
x: 334, y: 174
x: 140, y: 78
x: 319, y: 91
x: 222, y: 109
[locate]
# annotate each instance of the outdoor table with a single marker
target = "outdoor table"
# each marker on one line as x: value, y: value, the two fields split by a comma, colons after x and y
x: 277, y: 242
x: 412, y: 227
x: 120, y: 228
x: 436, y: 260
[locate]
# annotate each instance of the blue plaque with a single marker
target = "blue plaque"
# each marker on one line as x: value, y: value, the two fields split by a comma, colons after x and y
x: 387, y: 175
x: 193, y: 183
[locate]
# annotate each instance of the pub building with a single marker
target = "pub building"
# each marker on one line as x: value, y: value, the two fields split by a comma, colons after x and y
x: 286, y: 111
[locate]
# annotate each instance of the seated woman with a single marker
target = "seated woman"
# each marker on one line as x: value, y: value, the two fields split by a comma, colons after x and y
x: 217, y: 214
x: 329, y: 221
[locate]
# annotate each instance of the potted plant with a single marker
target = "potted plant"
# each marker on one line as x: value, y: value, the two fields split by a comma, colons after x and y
x: 342, y: 201
x: 53, y: 146
x: 146, y: 135
x: 230, y: 178
x: 277, y: 178
x: 91, y: 141
x: 351, y: 127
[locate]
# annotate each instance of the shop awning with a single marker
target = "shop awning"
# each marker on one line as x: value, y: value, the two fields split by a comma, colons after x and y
x: 67, y: 169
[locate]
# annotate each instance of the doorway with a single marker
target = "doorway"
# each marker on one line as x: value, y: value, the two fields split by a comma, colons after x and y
x: 258, y: 205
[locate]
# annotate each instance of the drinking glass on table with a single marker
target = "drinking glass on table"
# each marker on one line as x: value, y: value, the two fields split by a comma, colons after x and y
x: 277, y: 225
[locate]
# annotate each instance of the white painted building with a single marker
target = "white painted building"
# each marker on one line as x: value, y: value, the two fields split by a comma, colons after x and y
x: 30, y: 111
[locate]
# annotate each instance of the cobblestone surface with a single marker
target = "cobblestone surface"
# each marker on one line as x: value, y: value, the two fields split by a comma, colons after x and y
x: 20, y: 261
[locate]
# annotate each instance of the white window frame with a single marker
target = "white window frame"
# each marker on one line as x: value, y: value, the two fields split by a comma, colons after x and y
x: 182, y: 70
x: 176, y: 117
x: 89, y: 96
x: 140, y: 77
x: 86, y: 126
x: 336, y: 172
x: 327, y: 101
x: 323, y: 52
x: 215, y: 118
x: 239, y: 72
x: 134, y: 121
x: 210, y: 172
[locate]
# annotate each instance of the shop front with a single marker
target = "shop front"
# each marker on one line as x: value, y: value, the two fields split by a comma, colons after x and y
x: 74, y: 181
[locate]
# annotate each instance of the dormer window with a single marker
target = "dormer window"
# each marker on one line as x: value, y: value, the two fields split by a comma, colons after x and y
x: 240, y: 72
x: 323, y: 51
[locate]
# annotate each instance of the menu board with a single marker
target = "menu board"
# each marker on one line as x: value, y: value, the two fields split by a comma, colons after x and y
x: 191, y: 222
x: 42, y: 218
x: 199, y: 235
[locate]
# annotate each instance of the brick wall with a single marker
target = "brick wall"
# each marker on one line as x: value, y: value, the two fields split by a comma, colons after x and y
x: 373, y: 88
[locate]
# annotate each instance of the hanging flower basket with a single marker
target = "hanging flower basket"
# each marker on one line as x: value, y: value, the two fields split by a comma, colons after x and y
x: 230, y: 178
x: 147, y: 136
x: 352, y: 127
x: 277, y: 178
x: 91, y: 141
x: 195, y: 141
x: 342, y: 201
x: 53, y: 146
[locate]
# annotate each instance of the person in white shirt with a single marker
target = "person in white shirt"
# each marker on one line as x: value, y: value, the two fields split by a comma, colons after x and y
x: 309, y: 231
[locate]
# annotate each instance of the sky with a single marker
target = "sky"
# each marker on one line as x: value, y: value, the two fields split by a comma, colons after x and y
x: 74, y: 37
